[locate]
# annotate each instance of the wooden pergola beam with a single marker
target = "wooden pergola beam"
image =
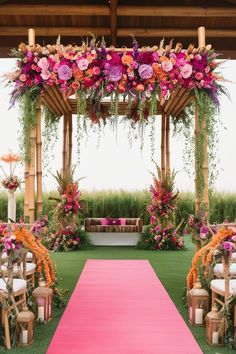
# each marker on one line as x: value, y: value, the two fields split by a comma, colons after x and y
x: 121, y: 32
x: 176, y: 11
x: 54, y: 10
x: 113, y: 17
x: 103, y: 10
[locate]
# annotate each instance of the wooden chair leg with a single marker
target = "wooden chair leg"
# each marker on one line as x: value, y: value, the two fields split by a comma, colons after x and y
x: 213, y: 298
x: 6, y: 329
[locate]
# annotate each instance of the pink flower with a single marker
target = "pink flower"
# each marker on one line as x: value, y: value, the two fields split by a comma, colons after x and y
x: 45, y: 74
x: 64, y: 72
x: 113, y: 72
x: 145, y: 71
x: 207, y: 69
x: 199, y: 76
x: 43, y: 63
x: 96, y: 70
x: 186, y: 71
x: 82, y: 64
x: 23, y: 78
x: 167, y: 65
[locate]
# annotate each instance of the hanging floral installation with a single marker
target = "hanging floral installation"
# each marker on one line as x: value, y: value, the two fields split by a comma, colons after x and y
x: 144, y: 77
x: 162, y: 234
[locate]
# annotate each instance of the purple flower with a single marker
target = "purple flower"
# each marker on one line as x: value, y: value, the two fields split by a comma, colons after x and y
x: 64, y: 72
x: 145, y: 71
x: 228, y: 247
x: 113, y: 72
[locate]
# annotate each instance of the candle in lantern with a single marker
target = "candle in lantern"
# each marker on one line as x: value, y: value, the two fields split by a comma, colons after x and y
x: 41, y: 313
x: 24, y: 336
x: 215, y: 338
x: 201, y: 37
x: 199, y: 316
x: 31, y: 36
x: 190, y: 313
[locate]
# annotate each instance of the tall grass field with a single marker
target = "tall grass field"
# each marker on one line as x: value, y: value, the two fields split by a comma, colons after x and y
x: 121, y: 203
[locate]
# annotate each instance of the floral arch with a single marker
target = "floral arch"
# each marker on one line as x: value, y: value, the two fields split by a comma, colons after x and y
x: 162, y: 80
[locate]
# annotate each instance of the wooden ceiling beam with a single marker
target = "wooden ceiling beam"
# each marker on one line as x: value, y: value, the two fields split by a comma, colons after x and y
x: 113, y: 17
x: 102, y: 10
x: 54, y: 10
x: 176, y: 11
x: 121, y: 32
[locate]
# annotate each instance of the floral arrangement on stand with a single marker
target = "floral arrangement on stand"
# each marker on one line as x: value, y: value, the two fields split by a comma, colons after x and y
x: 11, y: 182
x: 65, y: 233
x: 161, y: 234
x: 200, y: 229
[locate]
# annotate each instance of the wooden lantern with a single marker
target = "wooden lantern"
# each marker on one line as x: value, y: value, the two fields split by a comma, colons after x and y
x: 198, y: 305
x: 214, y: 327
x: 25, y: 328
x: 43, y: 300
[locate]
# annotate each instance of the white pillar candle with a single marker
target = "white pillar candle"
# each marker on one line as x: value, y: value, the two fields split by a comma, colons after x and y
x: 215, y: 338
x: 190, y: 313
x: 199, y: 316
x: 24, y: 336
x: 41, y: 313
x: 31, y: 36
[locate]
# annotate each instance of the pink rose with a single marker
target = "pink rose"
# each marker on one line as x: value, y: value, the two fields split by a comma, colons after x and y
x: 23, y: 78
x: 199, y: 76
x: 145, y: 71
x: 82, y: 64
x: 45, y: 74
x: 198, y: 57
x: 186, y: 71
x: 96, y: 70
x: 167, y: 65
x: 207, y: 69
x: 43, y: 63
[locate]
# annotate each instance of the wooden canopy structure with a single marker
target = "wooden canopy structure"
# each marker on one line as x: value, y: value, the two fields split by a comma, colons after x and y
x: 54, y: 101
x: 116, y: 20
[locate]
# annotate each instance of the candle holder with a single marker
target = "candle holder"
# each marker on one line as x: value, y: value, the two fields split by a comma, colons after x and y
x: 25, y: 328
x: 215, y: 327
x: 198, y: 305
x: 43, y: 299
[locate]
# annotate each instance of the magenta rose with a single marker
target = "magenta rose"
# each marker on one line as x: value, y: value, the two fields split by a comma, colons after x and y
x: 186, y: 71
x: 82, y: 64
x: 64, y: 72
x: 88, y: 82
x: 199, y: 76
x: 145, y: 71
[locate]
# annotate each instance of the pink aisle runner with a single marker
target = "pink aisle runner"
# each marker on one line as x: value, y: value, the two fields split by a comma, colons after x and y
x: 121, y: 307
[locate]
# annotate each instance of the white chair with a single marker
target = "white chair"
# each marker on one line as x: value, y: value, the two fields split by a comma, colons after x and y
x: 26, y: 270
x: 219, y: 270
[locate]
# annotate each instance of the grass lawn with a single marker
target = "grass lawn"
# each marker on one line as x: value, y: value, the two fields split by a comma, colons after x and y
x: 170, y: 266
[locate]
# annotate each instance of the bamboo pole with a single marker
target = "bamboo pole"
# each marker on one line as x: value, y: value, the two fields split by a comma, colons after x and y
x: 69, y: 140
x: 64, y: 145
x: 39, y: 160
x: 163, y: 134
x: 196, y: 138
x: 167, y: 146
x: 205, y: 169
x: 32, y: 175
x: 26, y: 201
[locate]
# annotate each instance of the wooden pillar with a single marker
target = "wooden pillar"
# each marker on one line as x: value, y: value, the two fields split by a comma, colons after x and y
x: 69, y: 140
x: 167, y: 145
x: 32, y: 175
x: 64, y: 144
x: 26, y: 201
x: 163, y: 145
x: 196, y: 138
x: 39, y: 160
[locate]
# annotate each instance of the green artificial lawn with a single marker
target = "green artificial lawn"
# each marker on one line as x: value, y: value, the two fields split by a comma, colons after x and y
x: 170, y: 266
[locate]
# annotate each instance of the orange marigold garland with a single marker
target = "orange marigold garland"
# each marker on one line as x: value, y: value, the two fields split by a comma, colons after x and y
x: 41, y: 253
x: 206, y: 253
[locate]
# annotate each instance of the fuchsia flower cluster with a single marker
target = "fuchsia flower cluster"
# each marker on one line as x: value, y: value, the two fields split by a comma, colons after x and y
x: 162, y: 204
x: 70, y: 200
x: 165, y: 238
x: 65, y: 239
x: 199, y: 228
x: 106, y: 70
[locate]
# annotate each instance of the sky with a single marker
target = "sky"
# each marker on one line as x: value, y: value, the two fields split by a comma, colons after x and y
x: 108, y: 161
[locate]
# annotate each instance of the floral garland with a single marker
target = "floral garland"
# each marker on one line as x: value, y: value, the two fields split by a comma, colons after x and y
x: 43, y: 260
x: 206, y: 252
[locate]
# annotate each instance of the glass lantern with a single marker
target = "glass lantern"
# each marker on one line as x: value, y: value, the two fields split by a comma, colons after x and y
x: 25, y: 328
x: 43, y: 299
x: 198, y: 305
x: 215, y: 327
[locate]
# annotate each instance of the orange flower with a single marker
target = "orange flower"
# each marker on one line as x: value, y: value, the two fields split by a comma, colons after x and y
x: 127, y: 59
x: 10, y: 157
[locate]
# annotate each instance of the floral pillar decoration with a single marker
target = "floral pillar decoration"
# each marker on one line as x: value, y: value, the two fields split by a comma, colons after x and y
x: 11, y: 183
